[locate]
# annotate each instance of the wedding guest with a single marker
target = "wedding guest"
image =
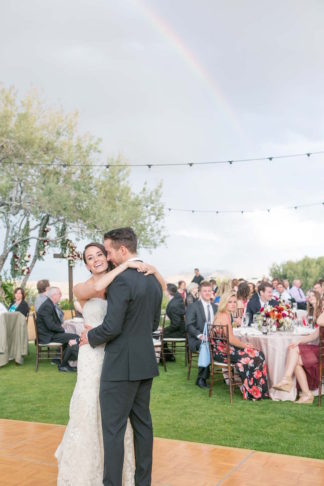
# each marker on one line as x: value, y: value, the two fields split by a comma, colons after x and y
x: 252, y: 289
x: 192, y: 293
x: 214, y: 285
x: 50, y: 329
x: 303, y: 362
x: 318, y: 288
x: 42, y: 288
x: 197, y: 277
x: 281, y: 293
x: 298, y: 295
x: 224, y: 287
x: 249, y: 361
x: 274, y: 283
x: 260, y: 299
x: 197, y: 315
x: 182, y: 289
x: 175, y: 311
x: 314, y: 305
x: 286, y: 284
x: 234, y: 284
x: 19, y: 304
x: 243, y: 294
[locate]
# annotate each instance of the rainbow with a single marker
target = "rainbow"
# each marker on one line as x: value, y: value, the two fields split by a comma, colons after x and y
x: 192, y: 62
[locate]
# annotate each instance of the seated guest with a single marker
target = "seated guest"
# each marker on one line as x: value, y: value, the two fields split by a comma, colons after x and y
x: 175, y: 311
x: 50, y: 329
x: 314, y: 306
x: 249, y: 362
x: 260, y: 299
x: 19, y: 304
x: 42, y: 288
x: 303, y: 362
x: 298, y: 295
x: 197, y: 315
x: 286, y: 284
x: 252, y: 289
x: 197, y: 277
x: 192, y: 293
x: 243, y: 293
x: 182, y: 289
x: 224, y: 287
x: 274, y: 285
x: 318, y: 288
x: 281, y: 293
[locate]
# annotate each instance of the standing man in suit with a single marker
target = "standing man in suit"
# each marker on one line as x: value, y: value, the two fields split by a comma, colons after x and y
x: 260, y: 299
x: 50, y: 329
x: 133, y: 312
x: 197, y: 315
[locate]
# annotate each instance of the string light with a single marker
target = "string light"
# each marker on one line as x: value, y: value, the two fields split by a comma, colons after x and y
x: 167, y: 164
x: 242, y: 211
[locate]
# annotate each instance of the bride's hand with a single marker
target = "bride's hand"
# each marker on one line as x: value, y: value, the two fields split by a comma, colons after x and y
x: 142, y: 267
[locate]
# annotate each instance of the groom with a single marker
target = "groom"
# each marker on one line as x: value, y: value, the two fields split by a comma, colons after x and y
x: 134, y: 306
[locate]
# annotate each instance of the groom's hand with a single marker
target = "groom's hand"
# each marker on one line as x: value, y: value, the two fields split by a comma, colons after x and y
x: 84, y: 335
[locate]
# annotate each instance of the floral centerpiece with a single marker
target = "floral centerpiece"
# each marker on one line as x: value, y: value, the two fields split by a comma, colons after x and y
x: 280, y: 315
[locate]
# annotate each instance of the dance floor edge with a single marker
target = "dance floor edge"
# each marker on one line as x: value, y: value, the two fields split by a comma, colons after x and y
x: 27, y: 459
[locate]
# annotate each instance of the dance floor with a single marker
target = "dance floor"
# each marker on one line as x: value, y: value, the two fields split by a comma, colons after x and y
x: 26, y: 459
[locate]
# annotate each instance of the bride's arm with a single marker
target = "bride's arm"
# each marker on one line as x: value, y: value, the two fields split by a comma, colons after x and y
x: 103, y: 282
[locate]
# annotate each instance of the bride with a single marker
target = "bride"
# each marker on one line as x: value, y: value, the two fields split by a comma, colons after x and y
x: 80, y: 455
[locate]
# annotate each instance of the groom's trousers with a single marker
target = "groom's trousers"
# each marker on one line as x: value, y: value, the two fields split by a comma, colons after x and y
x: 118, y: 401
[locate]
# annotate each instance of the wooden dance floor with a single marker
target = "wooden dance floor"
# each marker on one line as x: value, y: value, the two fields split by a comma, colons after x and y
x: 26, y: 459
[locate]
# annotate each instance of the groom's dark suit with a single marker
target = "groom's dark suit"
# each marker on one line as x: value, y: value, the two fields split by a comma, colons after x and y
x: 134, y: 306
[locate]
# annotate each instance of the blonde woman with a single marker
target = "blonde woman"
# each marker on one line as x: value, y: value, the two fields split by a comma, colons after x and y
x: 249, y: 362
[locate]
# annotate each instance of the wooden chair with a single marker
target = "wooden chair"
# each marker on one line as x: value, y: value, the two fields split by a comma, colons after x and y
x: 219, y: 333
x: 177, y: 344
x: 49, y: 349
x: 192, y: 357
x: 321, y: 363
x: 158, y: 335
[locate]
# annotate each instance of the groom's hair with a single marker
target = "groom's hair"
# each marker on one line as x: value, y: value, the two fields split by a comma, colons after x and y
x: 122, y: 237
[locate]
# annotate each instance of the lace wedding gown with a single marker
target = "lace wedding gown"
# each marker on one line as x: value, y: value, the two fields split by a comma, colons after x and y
x: 80, y: 455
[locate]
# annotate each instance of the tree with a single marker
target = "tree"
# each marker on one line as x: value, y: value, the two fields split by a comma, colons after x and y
x: 50, y: 190
x: 308, y: 270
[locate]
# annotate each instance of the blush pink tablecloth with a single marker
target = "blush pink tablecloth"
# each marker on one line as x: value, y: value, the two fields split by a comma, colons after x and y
x: 274, y: 347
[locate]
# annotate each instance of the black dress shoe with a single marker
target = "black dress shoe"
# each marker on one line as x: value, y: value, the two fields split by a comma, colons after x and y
x: 201, y: 383
x: 170, y: 357
x: 56, y: 361
x: 67, y: 369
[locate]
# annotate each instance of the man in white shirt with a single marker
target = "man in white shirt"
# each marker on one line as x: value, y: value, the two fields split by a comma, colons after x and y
x: 198, y: 313
x: 281, y: 293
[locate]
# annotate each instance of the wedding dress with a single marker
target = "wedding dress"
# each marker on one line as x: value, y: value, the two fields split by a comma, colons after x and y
x: 80, y: 455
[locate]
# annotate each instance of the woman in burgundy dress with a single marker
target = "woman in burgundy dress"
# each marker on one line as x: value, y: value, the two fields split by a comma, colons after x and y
x: 303, y: 358
x: 249, y: 362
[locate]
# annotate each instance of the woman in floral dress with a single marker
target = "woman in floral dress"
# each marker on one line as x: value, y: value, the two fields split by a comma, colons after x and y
x: 249, y: 362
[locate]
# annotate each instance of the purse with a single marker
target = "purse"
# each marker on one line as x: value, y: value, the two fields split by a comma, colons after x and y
x: 204, y: 354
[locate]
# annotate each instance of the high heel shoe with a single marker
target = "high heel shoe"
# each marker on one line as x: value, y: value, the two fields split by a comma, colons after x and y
x: 305, y: 398
x: 286, y: 384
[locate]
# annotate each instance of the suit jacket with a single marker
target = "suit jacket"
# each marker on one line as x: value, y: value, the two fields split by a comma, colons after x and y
x: 47, y: 322
x: 133, y: 313
x: 195, y: 322
x: 254, y: 305
x: 176, y: 313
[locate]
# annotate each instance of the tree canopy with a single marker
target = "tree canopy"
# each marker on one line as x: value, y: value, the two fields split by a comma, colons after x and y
x: 308, y: 270
x: 50, y: 192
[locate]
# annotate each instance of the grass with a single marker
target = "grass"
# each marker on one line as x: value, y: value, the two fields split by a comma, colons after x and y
x: 180, y: 410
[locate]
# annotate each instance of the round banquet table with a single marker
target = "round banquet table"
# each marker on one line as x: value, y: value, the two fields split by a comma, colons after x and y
x: 274, y: 347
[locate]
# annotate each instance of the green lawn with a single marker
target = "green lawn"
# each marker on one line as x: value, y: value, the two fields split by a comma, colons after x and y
x: 180, y: 410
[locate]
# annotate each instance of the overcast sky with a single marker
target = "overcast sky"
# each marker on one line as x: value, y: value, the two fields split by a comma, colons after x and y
x: 189, y: 81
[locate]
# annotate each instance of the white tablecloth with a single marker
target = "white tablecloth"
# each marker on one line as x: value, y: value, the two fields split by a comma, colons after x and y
x: 274, y: 347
